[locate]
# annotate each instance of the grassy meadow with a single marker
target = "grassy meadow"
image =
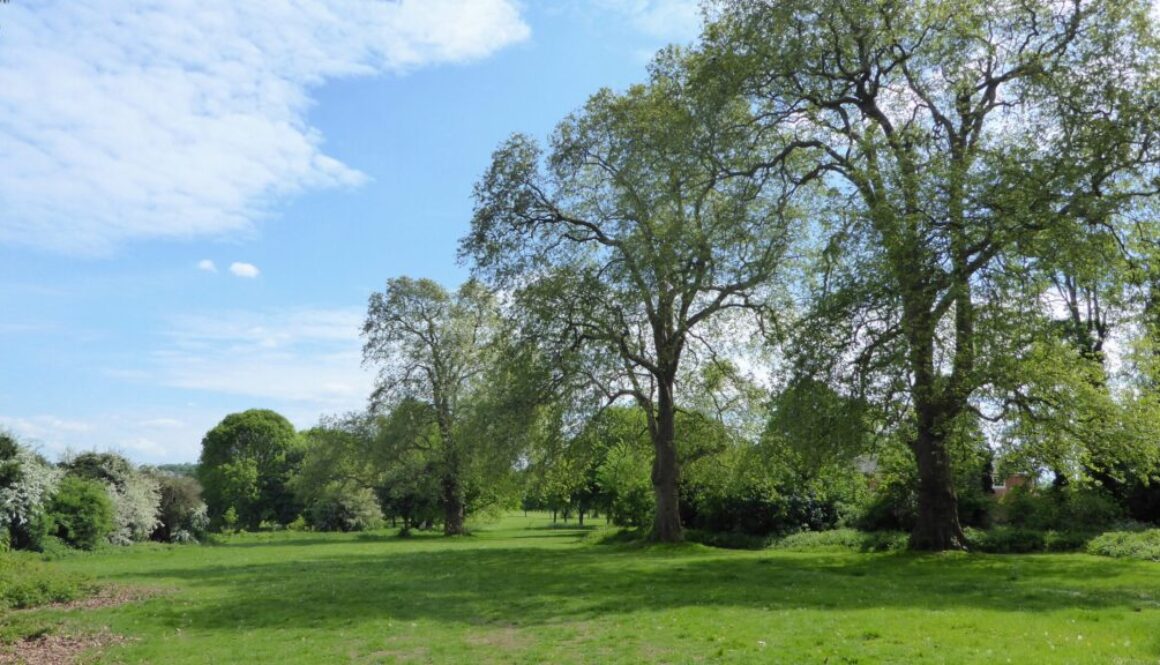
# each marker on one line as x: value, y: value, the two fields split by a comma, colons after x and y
x: 522, y: 591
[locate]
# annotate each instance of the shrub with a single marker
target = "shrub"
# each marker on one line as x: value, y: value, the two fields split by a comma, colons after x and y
x: 182, y: 514
x: 846, y: 539
x: 136, y: 496
x: 81, y: 512
x: 28, y: 583
x: 339, y: 509
x: 1066, y: 508
x: 1127, y: 545
x: 759, y: 509
x: 1016, y: 540
x: 26, y: 482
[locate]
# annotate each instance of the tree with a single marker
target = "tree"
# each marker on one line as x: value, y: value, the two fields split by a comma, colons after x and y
x: 433, y: 348
x: 629, y: 245
x: 246, y: 462
x: 953, y: 135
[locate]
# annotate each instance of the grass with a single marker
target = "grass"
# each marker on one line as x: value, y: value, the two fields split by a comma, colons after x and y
x: 521, y: 592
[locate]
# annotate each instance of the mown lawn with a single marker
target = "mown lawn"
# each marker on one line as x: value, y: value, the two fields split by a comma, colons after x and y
x: 521, y: 592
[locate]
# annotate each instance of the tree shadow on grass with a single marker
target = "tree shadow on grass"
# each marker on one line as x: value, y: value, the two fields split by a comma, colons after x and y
x: 529, y: 586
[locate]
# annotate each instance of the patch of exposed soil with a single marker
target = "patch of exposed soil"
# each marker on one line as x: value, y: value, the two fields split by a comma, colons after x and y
x: 56, y: 649
x: 111, y: 596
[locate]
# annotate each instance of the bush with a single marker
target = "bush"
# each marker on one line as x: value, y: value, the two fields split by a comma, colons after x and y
x: 1127, y: 545
x: 846, y: 539
x: 26, y: 482
x: 28, y: 583
x: 1059, y: 509
x: 182, y: 513
x: 759, y: 510
x: 338, y: 509
x: 81, y: 512
x: 1015, y: 540
x: 136, y: 496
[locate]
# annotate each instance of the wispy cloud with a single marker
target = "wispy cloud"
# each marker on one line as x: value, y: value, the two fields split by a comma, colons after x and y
x: 663, y: 20
x: 207, y: 265
x: 248, y: 270
x: 310, y: 356
x: 124, y: 119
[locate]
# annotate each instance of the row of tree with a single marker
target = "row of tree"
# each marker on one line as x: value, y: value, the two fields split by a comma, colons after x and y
x: 934, y: 223
x: 942, y: 212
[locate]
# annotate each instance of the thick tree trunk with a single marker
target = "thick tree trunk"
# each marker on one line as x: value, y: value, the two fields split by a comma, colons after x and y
x: 666, y: 475
x: 453, y: 509
x: 937, y: 527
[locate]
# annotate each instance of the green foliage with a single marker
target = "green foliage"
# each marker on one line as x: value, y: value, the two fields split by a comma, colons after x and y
x: 1015, y: 540
x: 135, y: 494
x: 892, y: 504
x: 81, y: 512
x: 435, y: 352
x: 341, y: 509
x: 844, y: 539
x: 1127, y: 545
x: 229, y: 521
x: 624, y: 479
x: 811, y: 427
x: 1070, y: 507
x: 25, y: 583
x: 182, y: 515
x: 246, y: 463
x: 26, y: 483
x: 743, y: 490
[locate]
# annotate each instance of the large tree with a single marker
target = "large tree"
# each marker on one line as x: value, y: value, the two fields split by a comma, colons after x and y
x: 433, y: 349
x: 246, y: 462
x: 627, y: 243
x: 954, y: 135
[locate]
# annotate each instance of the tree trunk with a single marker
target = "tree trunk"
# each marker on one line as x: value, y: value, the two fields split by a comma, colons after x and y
x: 666, y: 471
x: 453, y: 509
x: 937, y: 527
x: 580, y: 516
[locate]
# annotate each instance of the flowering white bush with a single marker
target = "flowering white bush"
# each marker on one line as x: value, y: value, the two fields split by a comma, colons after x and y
x: 28, y: 485
x: 137, y: 501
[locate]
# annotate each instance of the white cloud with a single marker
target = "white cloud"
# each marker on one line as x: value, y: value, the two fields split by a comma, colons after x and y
x: 309, y: 356
x: 664, y: 20
x: 123, y: 119
x: 152, y: 440
x: 207, y: 265
x: 248, y: 270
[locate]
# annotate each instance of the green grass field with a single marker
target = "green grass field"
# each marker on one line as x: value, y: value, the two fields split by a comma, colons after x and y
x: 519, y: 591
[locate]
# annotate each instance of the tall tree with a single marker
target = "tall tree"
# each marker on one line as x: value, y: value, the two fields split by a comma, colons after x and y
x: 246, y: 462
x: 626, y: 244
x: 433, y: 347
x: 956, y: 132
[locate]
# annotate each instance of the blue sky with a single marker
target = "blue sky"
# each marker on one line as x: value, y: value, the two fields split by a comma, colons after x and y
x: 197, y: 196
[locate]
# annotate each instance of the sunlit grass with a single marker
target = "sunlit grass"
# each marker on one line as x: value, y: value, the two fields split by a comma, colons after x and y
x: 521, y: 592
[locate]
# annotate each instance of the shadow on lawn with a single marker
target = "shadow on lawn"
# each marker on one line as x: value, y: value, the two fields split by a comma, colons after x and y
x: 517, y: 586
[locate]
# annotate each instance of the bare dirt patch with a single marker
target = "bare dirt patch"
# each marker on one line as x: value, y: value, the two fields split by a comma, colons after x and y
x: 112, y: 596
x: 56, y: 649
